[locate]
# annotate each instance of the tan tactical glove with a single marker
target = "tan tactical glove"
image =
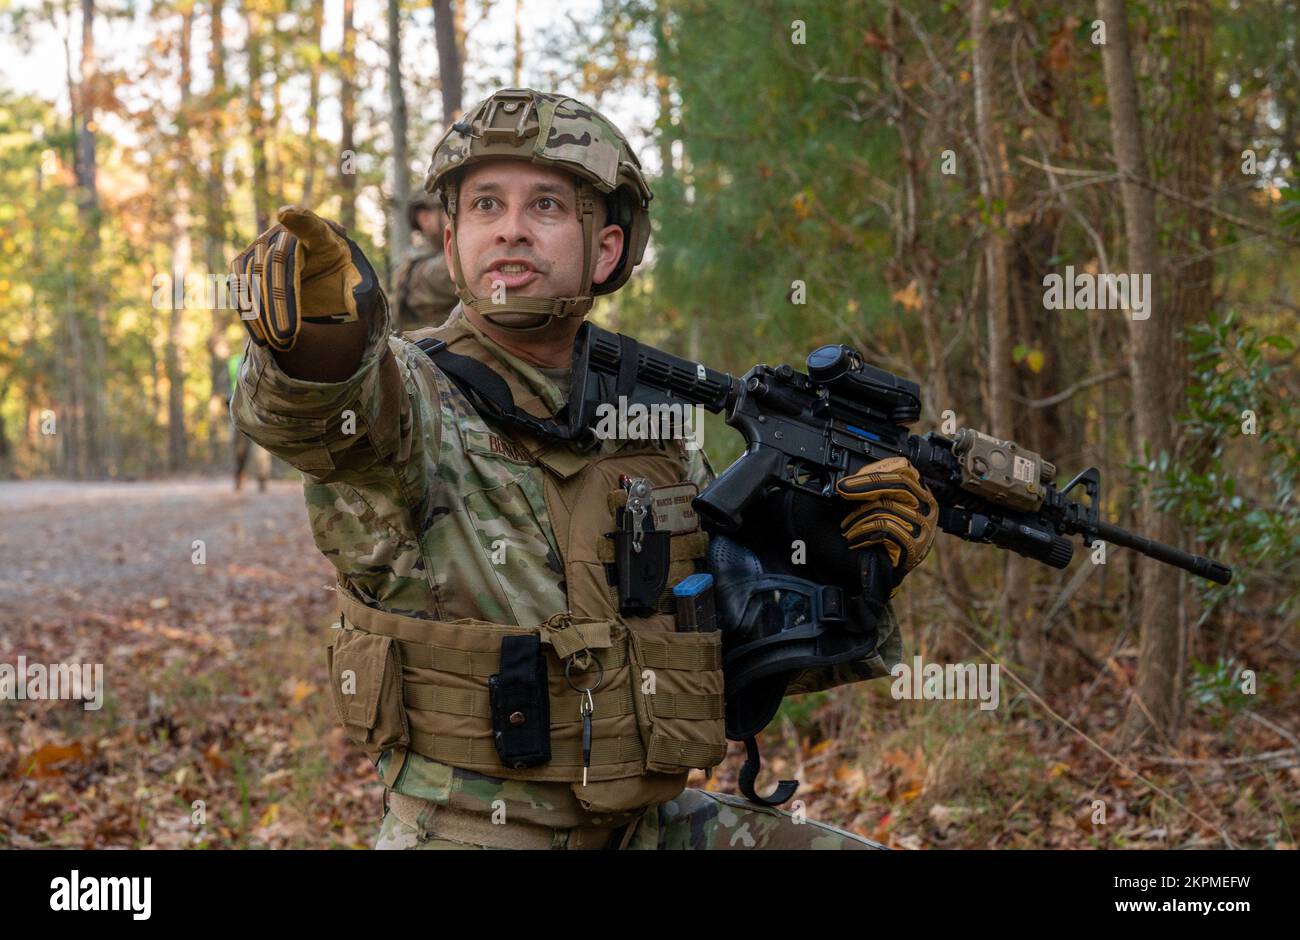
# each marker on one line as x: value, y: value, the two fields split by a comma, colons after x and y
x: 896, y: 511
x: 305, y: 268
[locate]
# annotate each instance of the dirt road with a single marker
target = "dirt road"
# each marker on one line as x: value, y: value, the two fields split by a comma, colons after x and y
x: 207, y: 611
x: 66, y: 547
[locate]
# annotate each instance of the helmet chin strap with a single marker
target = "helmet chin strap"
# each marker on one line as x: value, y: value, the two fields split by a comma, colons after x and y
x: 545, y: 309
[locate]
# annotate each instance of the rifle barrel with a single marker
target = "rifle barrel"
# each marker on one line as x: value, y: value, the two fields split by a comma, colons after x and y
x: 1196, y: 564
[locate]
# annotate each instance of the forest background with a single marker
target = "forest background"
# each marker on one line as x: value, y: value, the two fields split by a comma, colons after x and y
x: 897, y: 176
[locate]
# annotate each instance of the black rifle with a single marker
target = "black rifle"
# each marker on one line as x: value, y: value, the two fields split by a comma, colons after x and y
x: 806, y: 432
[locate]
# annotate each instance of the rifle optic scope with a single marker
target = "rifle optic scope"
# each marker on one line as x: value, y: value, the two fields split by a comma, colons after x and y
x: 841, y: 368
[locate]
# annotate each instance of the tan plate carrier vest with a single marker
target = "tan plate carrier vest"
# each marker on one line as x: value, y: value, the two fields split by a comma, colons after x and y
x: 407, y: 683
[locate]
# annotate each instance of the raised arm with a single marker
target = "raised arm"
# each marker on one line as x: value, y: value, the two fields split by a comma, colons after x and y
x: 322, y: 385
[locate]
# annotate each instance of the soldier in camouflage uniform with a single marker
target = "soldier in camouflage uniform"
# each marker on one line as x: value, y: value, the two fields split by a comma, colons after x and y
x: 423, y: 292
x: 448, y: 530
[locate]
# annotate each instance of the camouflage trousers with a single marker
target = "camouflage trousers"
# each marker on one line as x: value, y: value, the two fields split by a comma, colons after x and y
x: 695, y: 819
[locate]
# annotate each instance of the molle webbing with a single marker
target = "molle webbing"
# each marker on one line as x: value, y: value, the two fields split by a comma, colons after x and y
x: 683, y: 552
x: 656, y: 654
x: 452, y: 723
x: 612, y: 702
x: 565, y: 754
x: 477, y: 663
x: 686, y: 547
x: 468, y: 702
x: 664, y: 750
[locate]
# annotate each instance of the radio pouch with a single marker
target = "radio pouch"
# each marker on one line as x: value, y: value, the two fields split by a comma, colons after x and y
x: 521, y: 714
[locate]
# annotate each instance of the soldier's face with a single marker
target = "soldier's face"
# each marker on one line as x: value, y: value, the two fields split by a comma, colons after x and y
x: 517, y: 227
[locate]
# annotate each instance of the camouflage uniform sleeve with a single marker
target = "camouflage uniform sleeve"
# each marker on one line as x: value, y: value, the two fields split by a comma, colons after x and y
x: 696, y: 463
x: 430, y: 293
x: 399, y: 279
x: 337, y: 431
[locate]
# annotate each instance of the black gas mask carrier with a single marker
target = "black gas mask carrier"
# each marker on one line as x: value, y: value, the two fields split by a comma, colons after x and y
x: 775, y: 625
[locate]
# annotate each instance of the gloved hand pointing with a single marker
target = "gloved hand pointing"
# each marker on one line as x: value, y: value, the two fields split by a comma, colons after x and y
x: 304, y: 268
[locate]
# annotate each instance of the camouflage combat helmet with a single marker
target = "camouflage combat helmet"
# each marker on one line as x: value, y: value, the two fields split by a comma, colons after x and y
x: 548, y: 130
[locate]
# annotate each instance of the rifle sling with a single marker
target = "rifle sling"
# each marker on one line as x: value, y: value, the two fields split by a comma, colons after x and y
x: 490, y: 395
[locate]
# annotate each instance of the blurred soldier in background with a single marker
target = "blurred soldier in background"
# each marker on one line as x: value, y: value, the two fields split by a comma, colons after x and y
x: 423, y: 292
x: 244, y: 447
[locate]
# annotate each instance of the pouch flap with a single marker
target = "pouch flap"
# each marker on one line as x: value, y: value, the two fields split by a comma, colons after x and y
x: 357, y: 668
x: 561, y: 460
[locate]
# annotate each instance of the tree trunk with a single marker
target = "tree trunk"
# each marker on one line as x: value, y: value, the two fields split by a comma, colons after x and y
x: 993, y: 188
x: 1183, y: 153
x: 152, y: 463
x: 1039, y: 429
x: 182, y: 253
x: 665, y: 131
x: 277, y: 173
x: 401, y: 226
x: 348, y: 108
x: 313, y: 105
x: 913, y: 260
x: 1159, y: 681
x: 447, y: 29
x: 214, y: 246
x: 256, y: 119
x: 70, y: 424
x: 94, y: 434
x: 1287, y: 96
x: 519, y: 44
x: 28, y: 390
x: 994, y: 183
x: 70, y: 458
